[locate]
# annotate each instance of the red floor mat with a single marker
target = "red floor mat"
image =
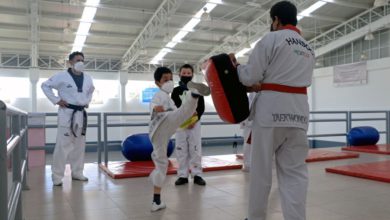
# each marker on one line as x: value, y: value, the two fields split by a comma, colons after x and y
x: 375, y: 149
x: 123, y: 169
x: 379, y: 171
x: 322, y: 155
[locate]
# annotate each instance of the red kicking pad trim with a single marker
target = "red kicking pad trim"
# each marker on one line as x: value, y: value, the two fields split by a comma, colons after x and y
x: 374, y: 149
x: 322, y: 155
x: 127, y: 169
x: 378, y: 171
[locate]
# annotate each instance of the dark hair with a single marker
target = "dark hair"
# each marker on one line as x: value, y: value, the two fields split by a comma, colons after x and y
x: 187, y: 66
x: 285, y: 11
x: 160, y: 71
x: 76, y: 53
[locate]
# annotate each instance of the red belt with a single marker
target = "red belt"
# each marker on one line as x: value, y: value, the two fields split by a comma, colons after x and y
x: 283, y: 88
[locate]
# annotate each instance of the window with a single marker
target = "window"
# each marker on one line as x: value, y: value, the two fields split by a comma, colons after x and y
x: 12, y: 88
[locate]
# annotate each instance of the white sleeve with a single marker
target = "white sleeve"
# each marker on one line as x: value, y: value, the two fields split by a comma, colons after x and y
x: 90, y: 91
x: 253, y: 71
x: 156, y: 101
x: 48, y: 86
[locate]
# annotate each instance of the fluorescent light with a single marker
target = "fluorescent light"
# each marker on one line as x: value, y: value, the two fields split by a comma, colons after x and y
x: 312, y: 8
x: 191, y: 24
x: 79, y: 40
x: 304, y: 13
x: 188, y: 27
x: 158, y: 57
x: 209, y: 6
x: 83, y: 28
x: 171, y: 44
x: 180, y: 35
x: 219, y: 2
x: 94, y: 3
x: 88, y: 14
x: 86, y: 20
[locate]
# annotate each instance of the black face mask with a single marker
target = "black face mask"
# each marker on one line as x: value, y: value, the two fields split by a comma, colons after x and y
x: 185, y: 79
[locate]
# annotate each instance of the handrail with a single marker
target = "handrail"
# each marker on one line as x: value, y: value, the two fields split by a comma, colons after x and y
x: 11, y: 202
x: 345, y: 117
x: 97, y: 125
x: 12, y: 144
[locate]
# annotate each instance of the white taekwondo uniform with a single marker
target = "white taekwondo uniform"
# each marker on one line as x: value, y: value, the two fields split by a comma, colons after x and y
x: 162, y: 126
x: 188, y: 141
x: 280, y: 121
x: 246, y: 127
x: 70, y: 144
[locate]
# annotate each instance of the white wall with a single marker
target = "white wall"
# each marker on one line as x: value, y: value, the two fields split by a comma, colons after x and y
x: 371, y: 96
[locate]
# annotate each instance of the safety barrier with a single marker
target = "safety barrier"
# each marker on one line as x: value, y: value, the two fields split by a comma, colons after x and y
x: 92, y: 116
x: 13, y: 161
x: 346, y: 118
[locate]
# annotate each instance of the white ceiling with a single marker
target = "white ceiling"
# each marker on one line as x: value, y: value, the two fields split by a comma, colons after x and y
x: 118, y: 23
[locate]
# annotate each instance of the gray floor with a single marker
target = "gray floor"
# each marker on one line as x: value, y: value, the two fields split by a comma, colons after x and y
x: 330, y: 196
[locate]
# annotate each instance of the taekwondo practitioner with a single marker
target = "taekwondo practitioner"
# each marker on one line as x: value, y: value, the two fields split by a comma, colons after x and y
x: 188, y: 139
x: 165, y: 120
x: 75, y: 89
x: 282, y: 61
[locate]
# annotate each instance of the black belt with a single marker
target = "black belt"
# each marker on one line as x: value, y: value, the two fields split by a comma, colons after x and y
x: 85, y: 118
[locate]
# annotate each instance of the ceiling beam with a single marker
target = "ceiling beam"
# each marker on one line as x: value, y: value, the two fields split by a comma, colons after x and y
x: 349, y: 4
x: 166, y: 9
x: 141, y: 11
x: 346, y: 33
x: 326, y: 18
x: 253, y: 31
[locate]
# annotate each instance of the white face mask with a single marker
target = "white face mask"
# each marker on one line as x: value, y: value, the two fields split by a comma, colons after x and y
x: 79, y: 66
x: 168, y: 86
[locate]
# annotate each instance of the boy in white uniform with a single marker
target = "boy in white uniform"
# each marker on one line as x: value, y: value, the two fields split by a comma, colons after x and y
x: 165, y: 119
x: 188, y: 140
x: 283, y: 62
x: 75, y: 89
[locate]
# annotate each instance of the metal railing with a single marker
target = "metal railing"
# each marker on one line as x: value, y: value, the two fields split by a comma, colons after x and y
x: 13, y: 145
x: 110, y: 120
x: 107, y: 125
x: 97, y: 125
x: 345, y: 117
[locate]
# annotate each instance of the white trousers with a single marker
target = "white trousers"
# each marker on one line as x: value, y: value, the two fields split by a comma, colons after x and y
x: 162, y: 135
x: 68, y: 149
x: 247, y: 148
x: 189, y: 151
x: 290, y: 148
